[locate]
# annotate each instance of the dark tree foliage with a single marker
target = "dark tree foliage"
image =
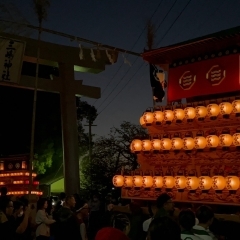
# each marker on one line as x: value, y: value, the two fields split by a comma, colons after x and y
x: 49, y: 157
x: 110, y: 154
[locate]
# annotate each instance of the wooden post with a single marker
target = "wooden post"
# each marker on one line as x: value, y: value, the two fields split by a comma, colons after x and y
x: 69, y: 131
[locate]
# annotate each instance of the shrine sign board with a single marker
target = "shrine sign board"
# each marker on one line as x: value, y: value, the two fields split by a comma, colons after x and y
x: 11, y: 58
x: 213, y: 76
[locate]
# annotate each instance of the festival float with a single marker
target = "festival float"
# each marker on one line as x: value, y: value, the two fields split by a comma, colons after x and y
x: 193, y: 149
x: 14, y: 175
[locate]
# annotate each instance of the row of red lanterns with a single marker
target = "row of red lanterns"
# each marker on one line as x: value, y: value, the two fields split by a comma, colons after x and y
x: 186, y: 143
x: 179, y: 182
x: 190, y: 113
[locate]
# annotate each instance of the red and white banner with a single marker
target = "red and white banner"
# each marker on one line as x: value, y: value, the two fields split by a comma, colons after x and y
x: 213, y: 76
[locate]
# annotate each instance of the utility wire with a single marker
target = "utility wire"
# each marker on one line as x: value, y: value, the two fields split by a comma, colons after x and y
x: 143, y: 62
x: 170, y: 9
x: 179, y: 15
x: 117, y: 84
x: 123, y: 62
x: 121, y: 89
x: 72, y: 37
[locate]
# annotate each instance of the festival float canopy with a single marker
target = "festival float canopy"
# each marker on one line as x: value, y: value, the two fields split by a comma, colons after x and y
x: 193, y: 149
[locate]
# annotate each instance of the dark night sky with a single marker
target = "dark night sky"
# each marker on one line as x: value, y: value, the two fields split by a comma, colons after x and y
x: 126, y: 92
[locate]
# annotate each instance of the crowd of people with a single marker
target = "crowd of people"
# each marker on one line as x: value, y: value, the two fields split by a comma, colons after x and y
x: 72, y: 217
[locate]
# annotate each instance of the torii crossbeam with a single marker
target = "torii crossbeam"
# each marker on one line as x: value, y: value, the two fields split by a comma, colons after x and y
x: 65, y: 60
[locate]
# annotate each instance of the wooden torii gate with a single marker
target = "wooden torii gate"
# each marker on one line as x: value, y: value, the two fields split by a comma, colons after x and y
x: 66, y: 59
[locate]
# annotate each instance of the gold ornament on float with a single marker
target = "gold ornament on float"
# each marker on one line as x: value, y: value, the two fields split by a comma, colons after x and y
x: 146, y: 145
x: 212, y: 141
x: 236, y: 107
x: 236, y: 139
x: 179, y: 115
x: 201, y: 112
x: 205, y: 182
x: 189, y: 113
x: 168, y: 182
x: 213, y: 111
x: 158, y: 181
x: 156, y: 145
x: 158, y: 117
x: 168, y: 116
x: 148, y: 118
x: 128, y: 181
x: 118, y: 180
x: 192, y: 183
x: 225, y: 140
x: 166, y: 144
x: 137, y: 181
x: 232, y: 183
x: 136, y: 146
x: 180, y: 182
x: 147, y: 181
x: 200, y: 142
x: 225, y: 108
x: 218, y: 182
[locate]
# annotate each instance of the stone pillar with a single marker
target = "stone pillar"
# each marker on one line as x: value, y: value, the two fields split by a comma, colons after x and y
x: 69, y: 130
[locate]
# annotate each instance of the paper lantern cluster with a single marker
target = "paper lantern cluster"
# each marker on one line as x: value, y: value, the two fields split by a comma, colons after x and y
x: 187, y: 143
x: 217, y: 183
x: 190, y: 113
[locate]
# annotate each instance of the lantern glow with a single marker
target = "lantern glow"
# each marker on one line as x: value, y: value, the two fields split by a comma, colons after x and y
x: 218, y: 182
x: 177, y: 143
x: 213, y: 110
x: 225, y: 108
x: 225, y: 140
x: 136, y: 146
x: 137, y: 181
x: 179, y: 114
x: 188, y: 143
x: 168, y: 182
x: 148, y: 118
x: 142, y: 122
x: 236, y: 107
x: 128, y: 181
x: 168, y: 116
x: 236, y: 139
x: 156, y: 145
x: 147, y: 181
x: 180, y: 182
x: 146, y: 145
x: 212, y: 141
x: 190, y: 113
x: 192, y: 183
x: 232, y: 183
x: 158, y: 117
x: 200, y: 142
x: 118, y: 180
x: 158, y: 181
x: 205, y: 182
x: 1, y: 166
x: 201, y: 112
x: 166, y: 144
